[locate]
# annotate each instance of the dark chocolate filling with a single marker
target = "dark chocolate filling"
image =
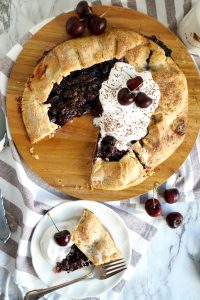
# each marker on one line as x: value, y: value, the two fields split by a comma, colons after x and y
x: 74, y: 260
x: 77, y: 95
x: 148, y: 59
x: 108, y: 151
x: 160, y: 43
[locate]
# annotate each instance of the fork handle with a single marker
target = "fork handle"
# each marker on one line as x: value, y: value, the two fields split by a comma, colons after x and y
x: 36, y: 294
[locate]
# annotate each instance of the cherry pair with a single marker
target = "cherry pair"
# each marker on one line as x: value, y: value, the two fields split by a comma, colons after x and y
x: 75, y: 26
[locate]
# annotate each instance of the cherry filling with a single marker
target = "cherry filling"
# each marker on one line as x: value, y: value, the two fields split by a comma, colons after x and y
x: 160, y: 43
x: 77, y: 95
x: 74, y: 260
x: 108, y: 151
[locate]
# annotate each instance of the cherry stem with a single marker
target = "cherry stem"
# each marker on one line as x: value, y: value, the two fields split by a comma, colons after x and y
x: 85, y: 18
x: 90, y: 10
x: 128, y: 74
x: 178, y: 177
x: 101, y: 16
x: 132, y: 92
x: 154, y: 190
x: 48, y: 214
x: 153, y: 198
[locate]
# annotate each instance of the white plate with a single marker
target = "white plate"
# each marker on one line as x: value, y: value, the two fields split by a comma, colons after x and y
x: 70, y: 212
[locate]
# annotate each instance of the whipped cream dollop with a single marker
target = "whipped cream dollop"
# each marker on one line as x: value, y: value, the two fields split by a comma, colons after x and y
x: 130, y: 122
x: 50, y: 250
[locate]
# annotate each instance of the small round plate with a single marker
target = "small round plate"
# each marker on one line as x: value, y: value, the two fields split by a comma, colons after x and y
x: 69, y: 212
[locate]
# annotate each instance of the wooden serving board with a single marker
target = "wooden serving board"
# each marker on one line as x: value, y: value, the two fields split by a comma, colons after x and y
x: 65, y: 160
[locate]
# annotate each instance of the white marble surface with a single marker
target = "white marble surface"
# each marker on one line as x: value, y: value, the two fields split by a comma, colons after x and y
x: 171, y: 269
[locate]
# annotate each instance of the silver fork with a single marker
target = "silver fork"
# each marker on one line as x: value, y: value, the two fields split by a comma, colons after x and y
x: 100, y: 272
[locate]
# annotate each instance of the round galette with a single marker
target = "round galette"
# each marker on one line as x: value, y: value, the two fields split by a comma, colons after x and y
x: 133, y: 88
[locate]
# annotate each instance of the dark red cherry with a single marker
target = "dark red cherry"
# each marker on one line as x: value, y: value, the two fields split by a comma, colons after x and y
x: 83, y: 9
x: 124, y: 97
x: 74, y: 26
x: 62, y: 238
x: 153, y: 207
x: 134, y: 83
x: 97, y: 25
x: 142, y: 100
x: 171, y: 195
x: 174, y: 219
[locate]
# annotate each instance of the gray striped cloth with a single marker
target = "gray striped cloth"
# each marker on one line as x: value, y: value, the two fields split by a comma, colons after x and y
x: 27, y: 197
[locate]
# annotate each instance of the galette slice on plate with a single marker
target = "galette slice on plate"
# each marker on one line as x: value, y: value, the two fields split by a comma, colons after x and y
x: 93, y: 244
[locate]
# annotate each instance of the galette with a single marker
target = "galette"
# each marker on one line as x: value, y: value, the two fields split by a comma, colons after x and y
x: 92, y: 244
x: 133, y: 88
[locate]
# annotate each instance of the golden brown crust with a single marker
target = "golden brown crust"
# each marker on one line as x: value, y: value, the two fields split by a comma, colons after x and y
x: 167, y: 129
x: 94, y: 240
x: 117, y: 175
x: 165, y: 132
x: 69, y: 56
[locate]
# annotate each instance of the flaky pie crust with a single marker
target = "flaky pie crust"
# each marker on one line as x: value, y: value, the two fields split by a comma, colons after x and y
x: 167, y: 128
x: 94, y: 240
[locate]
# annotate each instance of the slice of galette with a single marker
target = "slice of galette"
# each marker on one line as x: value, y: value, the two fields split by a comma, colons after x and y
x: 87, y: 75
x: 94, y: 240
x: 92, y: 245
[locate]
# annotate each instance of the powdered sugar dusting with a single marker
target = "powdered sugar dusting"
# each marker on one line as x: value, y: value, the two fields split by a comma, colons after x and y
x: 125, y: 123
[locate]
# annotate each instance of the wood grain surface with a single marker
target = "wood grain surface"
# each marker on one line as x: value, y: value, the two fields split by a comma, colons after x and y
x: 65, y: 160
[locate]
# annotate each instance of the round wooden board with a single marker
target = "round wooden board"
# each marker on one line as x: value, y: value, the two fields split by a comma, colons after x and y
x: 65, y: 160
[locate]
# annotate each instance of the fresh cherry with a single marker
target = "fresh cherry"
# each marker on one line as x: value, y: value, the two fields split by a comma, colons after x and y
x: 153, y: 207
x: 134, y: 83
x: 174, y: 219
x: 171, y: 195
x: 97, y: 25
x: 124, y: 97
x: 74, y: 26
x: 62, y: 238
x: 142, y: 100
x: 83, y: 9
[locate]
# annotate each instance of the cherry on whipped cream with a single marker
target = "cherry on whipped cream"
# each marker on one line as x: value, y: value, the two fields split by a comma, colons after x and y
x: 142, y: 100
x: 134, y: 83
x: 124, y: 97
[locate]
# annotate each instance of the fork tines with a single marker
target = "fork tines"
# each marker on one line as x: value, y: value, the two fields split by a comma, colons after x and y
x: 114, y: 267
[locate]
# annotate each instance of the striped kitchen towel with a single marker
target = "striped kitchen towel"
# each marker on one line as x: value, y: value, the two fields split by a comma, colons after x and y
x: 27, y: 197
